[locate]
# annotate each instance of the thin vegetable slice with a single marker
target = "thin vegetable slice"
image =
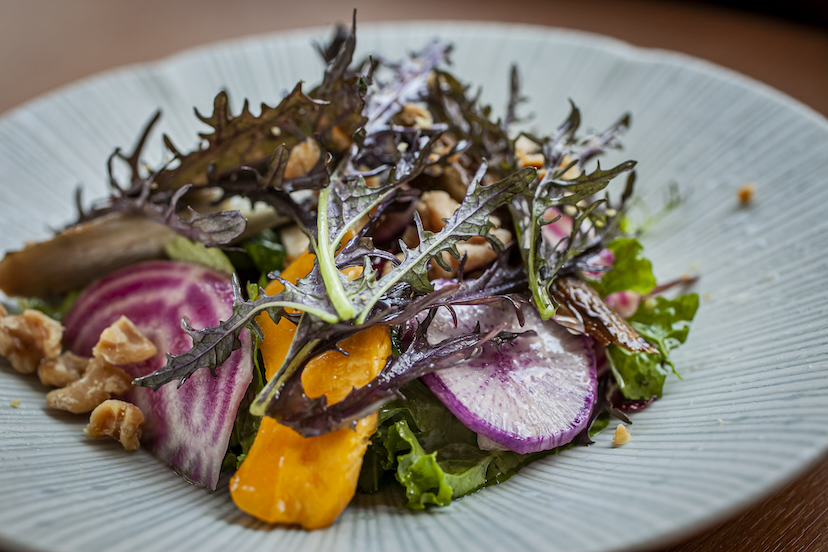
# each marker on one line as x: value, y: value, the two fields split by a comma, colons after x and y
x: 532, y: 394
x: 187, y: 427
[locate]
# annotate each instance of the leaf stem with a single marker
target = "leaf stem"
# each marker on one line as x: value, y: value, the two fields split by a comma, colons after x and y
x: 325, y: 258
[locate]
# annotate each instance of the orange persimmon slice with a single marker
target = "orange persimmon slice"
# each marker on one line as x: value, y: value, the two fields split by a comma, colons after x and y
x: 287, y: 478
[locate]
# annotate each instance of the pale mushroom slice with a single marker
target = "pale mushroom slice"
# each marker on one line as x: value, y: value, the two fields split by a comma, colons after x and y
x: 81, y: 254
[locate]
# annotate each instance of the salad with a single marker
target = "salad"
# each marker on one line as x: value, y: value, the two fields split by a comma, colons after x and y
x: 372, y: 283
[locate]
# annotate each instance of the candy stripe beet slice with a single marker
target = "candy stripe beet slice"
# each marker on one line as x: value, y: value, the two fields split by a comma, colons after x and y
x: 187, y: 427
x: 534, y: 394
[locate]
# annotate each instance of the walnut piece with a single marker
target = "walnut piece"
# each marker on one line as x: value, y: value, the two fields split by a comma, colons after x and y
x: 479, y: 254
x: 745, y: 193
x: 622, y: 436
x: 100, y: 381
x: 63, y: 370
x: 295, y: 241
x: 120, y: 420
x: 26, y: 339
x: 415, y: 114
x: 303, y: 157
x: 123, y: 343
x: 434, y: 206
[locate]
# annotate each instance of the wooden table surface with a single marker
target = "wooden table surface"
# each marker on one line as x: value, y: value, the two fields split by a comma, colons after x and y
x: 45, y: 44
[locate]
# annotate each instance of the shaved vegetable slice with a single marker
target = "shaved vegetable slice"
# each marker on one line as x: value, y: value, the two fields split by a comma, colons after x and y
x: 187, y: 427
x: 533, y: 394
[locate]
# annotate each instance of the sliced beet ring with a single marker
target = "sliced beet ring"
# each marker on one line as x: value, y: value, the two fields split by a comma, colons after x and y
x: 534, y: 394
x: 188, y: 427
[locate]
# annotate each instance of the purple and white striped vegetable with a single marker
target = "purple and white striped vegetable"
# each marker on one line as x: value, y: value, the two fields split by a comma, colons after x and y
x: 534, y: 394
x: 187, y: 427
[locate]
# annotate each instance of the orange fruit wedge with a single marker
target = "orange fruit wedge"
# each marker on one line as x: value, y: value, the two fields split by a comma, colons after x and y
x: 287, y: 478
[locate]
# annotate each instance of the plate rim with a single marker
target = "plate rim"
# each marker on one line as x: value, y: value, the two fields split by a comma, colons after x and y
x: 617, y: 46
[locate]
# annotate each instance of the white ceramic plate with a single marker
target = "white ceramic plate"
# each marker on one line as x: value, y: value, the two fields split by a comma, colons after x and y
x: 748, y: 416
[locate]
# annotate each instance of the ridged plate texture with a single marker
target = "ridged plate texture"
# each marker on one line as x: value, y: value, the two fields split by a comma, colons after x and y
x: 749, y: 414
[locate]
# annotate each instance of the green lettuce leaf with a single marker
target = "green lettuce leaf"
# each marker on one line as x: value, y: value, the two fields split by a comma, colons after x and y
x: 182, y: 249
x: 267, y: 253
x: 246, y: 425
x: 631, y: 271
x: 431, y: 453
x: 53, y: 311
x: 663, y: 322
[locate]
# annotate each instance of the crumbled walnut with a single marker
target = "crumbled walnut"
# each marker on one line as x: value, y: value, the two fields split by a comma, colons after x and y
x: 622, y: 436
x: 526, y: 145
x: 573, y: 172
x: 530, y: 159
x: 479, y: 254
x: 415, y: 114
x: 389, y: 266
x: 442, y: 146
x: 120, y: 420
x: 303, y: 157
x: 455, y: 180
x: 100, y: 381
x: 28, y: 338
x: 340, y: 139
x: 410, y: 237
x: 745, y: 193
x: 63, y: 370
x: 434, y: 206
x: 295, y: 241
x: 122, y: 343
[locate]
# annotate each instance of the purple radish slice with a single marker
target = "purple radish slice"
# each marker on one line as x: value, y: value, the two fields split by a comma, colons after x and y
x: 535, y: 394
x: 188, y: 427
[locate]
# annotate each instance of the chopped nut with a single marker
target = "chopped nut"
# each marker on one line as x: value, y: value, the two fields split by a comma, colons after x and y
x: 410, y: 237
x: 415, y: 114
x: 15, y: 403
x: 434, y: 206
x: 526, y: 145
x: 100, y: 381
x: 340, y: 139
x: 26, y: 339
x: 573, y: 172
x: 63, y: 370
x: 455, y: 180
x: 120, y: 420
x: 622, y: 436
x: 303, y: 157
x: 479, y: 253
x: 530, y: 160
x: 745, y: 193
x: 123, y: 343
x: 389, y: 266
x: 295, y: 241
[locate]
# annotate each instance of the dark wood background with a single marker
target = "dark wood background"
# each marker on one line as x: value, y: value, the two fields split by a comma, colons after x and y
x: 45, y: 44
